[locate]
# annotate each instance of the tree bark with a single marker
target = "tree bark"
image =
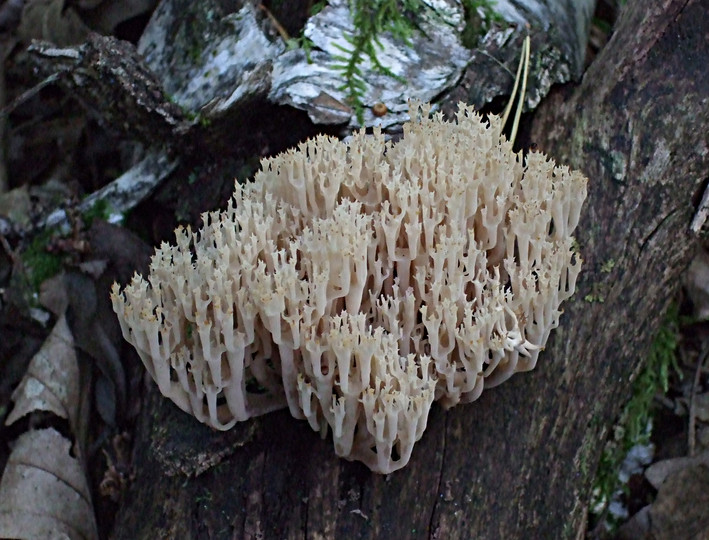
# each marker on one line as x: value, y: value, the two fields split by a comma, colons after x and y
x: 519, y: 462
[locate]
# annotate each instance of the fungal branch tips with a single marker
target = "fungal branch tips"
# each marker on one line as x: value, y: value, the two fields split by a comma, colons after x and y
x: 357, y: 283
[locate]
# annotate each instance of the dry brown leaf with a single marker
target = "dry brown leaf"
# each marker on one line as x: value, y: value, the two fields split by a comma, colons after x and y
x: 680, y: 509
x: 43, y: 491
x: 659, y: 471
x: 53, y: 295
x: 52, y: 379
x: 75, y: 294
x: 83, y: 316
x: 16, y: 205
x: 701, y: 406
x: 696, y: 281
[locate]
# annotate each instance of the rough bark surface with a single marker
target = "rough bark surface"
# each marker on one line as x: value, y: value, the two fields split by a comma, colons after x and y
x: 111, y: 80
x: 559, y: 34
x: 517, y: 463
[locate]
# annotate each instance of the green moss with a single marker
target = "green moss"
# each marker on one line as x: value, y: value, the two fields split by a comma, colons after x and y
x: 195, y: 53
x: 596, y: 295
x: 593, y: 298
x: 632, y: 426
x: 479, y: 16
x: 38, y: 262
x: 317, y: 7
x: 607, y: 267
x: 301, y: 42
x: 100, y: 210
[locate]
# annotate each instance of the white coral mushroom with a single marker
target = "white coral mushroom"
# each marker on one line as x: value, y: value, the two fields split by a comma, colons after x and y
x: 358, y: 282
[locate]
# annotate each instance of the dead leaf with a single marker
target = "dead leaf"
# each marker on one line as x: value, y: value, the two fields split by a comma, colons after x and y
x: 52, y: 379
x: 701, y: 406
x: 43, y: 491
x: 696, y: 281
x: 638, y: 526
x: 53, y: 295
x: 680, y: 509
x: 16, y: 206
x: 659, y: 471
x: 22, y: 337
x: 105, y: 398
x: 74, y: 296
x: 126, y: 251
x: 94, y: 268
x: 82, y: 316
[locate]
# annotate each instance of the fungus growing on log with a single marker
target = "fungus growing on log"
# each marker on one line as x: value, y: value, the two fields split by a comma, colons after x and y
x: 356, y: 283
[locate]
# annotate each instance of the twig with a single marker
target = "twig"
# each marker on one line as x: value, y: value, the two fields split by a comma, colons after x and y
x: 27, y: 94
x: 691, y: 435
x: 7, y: 249
x: 513, y: 94
x: 501, y: 64
x: 277, y: 25
x: 700, y: 217
x: 126, y: 191
x: 111, y: 80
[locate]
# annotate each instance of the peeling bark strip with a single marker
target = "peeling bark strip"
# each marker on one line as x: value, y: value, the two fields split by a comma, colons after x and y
x: 215, y: 58
x: 518, y: 463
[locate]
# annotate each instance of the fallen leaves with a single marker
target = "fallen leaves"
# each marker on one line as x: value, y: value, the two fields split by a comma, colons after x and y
x: 679, y: 509
x: 51, y: 382
x: 43, y: 491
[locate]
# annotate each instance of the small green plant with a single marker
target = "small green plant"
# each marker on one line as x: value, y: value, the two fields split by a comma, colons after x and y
x: 632, y: 426
x: 39, y: 263
x: 101, y: 209
x: 479, y: 16
x: 44, y: 257
x: 398, y: 17
x: 371, y: 20
x: 301, y: 42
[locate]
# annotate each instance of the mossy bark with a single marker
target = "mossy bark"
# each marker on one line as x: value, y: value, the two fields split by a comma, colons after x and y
x: 519, y: 462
